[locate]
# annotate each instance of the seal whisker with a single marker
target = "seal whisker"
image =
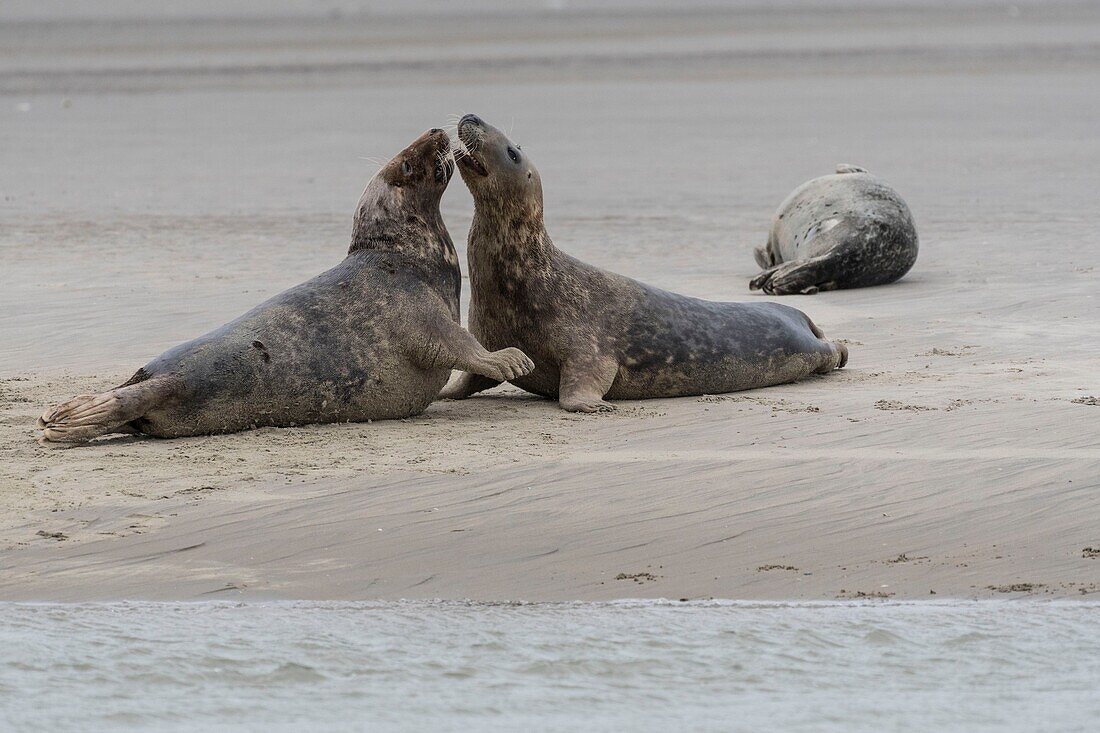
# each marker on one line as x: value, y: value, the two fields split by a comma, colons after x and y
x: 372, y: 160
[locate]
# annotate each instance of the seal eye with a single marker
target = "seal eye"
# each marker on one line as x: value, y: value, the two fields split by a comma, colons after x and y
x: 406, y: 168
x: 513, y: 155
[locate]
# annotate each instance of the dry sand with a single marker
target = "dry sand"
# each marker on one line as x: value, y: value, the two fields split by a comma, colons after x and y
x: 159, y: 179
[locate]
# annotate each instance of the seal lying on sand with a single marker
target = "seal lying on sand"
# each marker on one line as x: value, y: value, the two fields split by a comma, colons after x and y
x: 595, y: 334
x: 375, y: 337
x: 848, y: 230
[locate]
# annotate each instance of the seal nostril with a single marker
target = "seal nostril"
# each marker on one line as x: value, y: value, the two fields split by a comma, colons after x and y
x: 471, y: 119
x: 434, y: 130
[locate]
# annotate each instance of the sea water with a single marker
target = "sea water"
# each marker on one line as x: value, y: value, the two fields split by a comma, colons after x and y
x: 626, y: 666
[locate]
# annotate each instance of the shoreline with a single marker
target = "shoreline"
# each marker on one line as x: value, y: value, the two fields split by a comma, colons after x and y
x: 954, y: 453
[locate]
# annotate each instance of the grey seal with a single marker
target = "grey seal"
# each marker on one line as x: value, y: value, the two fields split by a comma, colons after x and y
x: 374, y: 337
x: 595, y: 334
x: 847, y: 230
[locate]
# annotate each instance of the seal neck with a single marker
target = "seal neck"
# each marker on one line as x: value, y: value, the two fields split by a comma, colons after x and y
x: 421, y: 235
x: 506, y: 237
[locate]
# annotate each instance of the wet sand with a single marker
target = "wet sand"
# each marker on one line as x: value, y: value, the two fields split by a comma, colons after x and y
x: 156, y: 183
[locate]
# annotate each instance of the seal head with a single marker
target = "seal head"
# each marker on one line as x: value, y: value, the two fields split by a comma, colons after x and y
x: 496, y: 169
x: 401, y: 202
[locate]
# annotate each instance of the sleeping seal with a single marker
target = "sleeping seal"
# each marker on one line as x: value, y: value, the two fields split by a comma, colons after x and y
x: 374, y: 337
x: 594, y: 334
x: 848, y: 230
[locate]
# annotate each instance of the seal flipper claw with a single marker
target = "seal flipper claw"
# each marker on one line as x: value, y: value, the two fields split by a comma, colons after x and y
x: 585, y: 405
x: 89, y: 416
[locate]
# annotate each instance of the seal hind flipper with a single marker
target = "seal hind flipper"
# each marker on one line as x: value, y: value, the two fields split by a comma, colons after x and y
x: 830, y: 270
x: 466, y: 385
x: 89, y: 416
x: 804, y: 277
x: 838, y: 351
x: 842, y: 354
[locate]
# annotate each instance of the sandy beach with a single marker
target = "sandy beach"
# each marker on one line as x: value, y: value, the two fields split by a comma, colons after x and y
x: 161, y: 175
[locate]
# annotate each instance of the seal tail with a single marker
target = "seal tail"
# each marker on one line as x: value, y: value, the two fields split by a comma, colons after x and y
x: 89, y: 416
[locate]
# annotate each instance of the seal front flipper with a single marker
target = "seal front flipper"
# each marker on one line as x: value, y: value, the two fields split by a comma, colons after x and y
x: 89, y: 416
x: 584, y: 382
x: 765, y: 256
x: 444, y: 343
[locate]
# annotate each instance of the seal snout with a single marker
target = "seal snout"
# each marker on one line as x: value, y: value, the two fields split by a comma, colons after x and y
x: 430, y: 152
x: 470, y: 130
x: 439, y: 138
x: 445, y: 165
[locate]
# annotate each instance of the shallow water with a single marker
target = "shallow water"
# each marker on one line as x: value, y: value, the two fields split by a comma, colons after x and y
x: 617, y: 666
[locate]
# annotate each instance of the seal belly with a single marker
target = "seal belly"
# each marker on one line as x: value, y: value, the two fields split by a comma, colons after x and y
x: 680, y: 346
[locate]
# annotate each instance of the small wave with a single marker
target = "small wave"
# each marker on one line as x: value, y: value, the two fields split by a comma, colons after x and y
x: 643, y: 665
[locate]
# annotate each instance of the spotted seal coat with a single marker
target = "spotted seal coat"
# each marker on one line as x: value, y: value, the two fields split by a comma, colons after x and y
x: 847, y: 230
x: 374, y: 337
x: 594, y: 334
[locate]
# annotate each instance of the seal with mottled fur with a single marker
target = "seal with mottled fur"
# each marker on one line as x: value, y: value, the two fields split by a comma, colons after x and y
x: 594, y: 334
x: 375, y: 337
x: 848, y: 230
